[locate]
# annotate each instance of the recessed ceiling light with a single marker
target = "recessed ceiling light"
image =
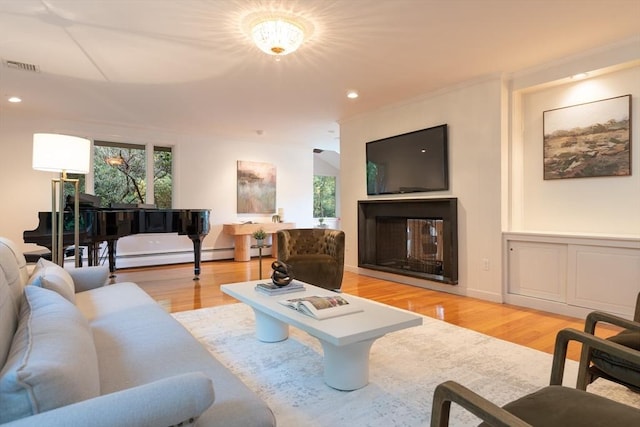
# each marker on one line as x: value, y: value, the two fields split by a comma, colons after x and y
x: 352, y: 94
x: 14, y: 99
x: 579, y: 76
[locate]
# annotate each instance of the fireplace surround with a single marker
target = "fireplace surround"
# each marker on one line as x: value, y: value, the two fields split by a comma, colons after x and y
x: 410, y: 237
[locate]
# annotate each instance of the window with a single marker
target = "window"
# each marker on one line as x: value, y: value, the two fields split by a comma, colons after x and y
x: 162, y: 177
x: 324, y: 196
x: 120, y: 174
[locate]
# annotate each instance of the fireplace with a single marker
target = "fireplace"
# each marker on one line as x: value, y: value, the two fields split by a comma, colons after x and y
x: 411, y: 237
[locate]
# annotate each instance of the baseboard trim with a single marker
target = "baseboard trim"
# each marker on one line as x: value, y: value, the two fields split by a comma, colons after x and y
x: 554, y: 307
x: 484, y: 295
x: 426, y: 284
x: 148, y: 259
x: 407, y: 280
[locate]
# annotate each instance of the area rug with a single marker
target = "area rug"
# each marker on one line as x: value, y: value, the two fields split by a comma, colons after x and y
x: 405, y: 368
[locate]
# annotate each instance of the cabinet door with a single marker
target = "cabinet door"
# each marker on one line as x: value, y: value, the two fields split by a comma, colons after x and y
x: 604, y: 278
x: 537, y: 270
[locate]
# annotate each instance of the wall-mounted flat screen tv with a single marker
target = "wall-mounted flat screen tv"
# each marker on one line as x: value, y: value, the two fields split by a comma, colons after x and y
x: 409, y: 163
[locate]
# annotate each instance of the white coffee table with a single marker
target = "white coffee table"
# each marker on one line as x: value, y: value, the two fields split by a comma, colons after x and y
x: 346, y: 340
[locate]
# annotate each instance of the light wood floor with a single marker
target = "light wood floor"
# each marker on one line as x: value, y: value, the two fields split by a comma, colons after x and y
x: 173, y: 286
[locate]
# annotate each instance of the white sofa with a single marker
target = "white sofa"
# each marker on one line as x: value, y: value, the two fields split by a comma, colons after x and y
x: 74, y: 352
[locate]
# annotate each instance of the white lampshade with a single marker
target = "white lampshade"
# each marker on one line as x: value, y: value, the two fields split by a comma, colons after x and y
x: 57, y: 153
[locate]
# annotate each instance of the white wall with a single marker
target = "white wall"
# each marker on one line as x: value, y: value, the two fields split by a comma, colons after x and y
x: 600, y: 205
x: 324, y: 168
x: 205, y: 178
x: 474, y: 116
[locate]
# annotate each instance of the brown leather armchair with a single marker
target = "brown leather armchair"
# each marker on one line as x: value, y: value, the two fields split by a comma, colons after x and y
x: 315, y: 254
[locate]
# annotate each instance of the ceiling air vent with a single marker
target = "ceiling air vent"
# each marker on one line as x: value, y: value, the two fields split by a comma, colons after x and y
x: 16, y: 65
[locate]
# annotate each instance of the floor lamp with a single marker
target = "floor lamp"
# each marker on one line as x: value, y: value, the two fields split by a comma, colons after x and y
x: 63, y: 154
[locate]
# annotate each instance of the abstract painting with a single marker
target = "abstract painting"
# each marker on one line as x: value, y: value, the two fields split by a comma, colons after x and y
x: 256, y: 187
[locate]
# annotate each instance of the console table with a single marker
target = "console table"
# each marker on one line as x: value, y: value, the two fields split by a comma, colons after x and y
x: 242, y: 234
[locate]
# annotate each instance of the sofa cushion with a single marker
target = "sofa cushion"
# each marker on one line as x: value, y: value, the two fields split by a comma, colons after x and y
x: 172, y: 401
x: 52, y: 361
x: 51, y: 276
x: 568, y: 407
x: 91, y: 277
x: 14, y: 264
x: 14, y: 267
x: 112, y: 299
x: 8, y: 318
x: 13, y: 277
x: 138, y: 342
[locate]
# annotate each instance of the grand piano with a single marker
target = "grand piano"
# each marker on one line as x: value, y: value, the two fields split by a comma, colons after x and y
x: 98, y: 225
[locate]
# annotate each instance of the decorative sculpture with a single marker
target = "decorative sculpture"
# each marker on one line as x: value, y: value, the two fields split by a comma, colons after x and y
x: 282, y: 273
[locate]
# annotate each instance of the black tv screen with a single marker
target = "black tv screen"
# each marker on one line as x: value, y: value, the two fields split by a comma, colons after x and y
x: 408, y: 163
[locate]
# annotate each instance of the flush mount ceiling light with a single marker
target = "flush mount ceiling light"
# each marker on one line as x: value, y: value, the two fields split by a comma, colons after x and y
x: 277, y: 34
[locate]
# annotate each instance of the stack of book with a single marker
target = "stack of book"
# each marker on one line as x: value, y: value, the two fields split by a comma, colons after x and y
x: 271, y: 289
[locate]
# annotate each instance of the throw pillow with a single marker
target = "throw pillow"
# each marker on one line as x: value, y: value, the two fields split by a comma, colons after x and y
x: 618, y: 367
x: 52, y: 361
x: 51, y: 276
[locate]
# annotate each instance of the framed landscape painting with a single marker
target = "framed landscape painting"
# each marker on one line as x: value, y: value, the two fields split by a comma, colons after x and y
x: 588, y: 140
x: 256, y: 187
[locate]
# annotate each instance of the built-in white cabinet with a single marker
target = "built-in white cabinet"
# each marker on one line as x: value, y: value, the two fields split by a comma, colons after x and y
x: 571, y: 274
x: 538, y: 270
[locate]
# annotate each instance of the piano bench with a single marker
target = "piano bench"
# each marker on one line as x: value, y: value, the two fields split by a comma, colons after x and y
x: 34, y: 256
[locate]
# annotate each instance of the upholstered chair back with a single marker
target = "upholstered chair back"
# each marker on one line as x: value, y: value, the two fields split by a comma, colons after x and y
x: 13, y: 278
x: 316, y: 255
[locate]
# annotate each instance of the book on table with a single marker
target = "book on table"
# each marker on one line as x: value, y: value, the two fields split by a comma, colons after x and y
x: 321, y: 307
x: 271, y: 289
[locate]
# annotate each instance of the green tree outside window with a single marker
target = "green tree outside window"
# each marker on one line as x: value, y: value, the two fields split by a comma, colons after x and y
x: 120, y: 174
x: 324, y: 196
x: 162, y: 177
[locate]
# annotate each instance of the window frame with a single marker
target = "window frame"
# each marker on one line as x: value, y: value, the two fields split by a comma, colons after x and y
x: 149, y: 149
x: 335, y: 196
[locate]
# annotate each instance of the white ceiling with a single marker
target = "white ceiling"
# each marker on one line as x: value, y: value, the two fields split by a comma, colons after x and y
x: 187, y: 66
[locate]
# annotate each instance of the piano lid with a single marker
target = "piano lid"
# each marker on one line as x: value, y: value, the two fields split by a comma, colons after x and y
x: 85, y: 200
x: 132, y: 206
